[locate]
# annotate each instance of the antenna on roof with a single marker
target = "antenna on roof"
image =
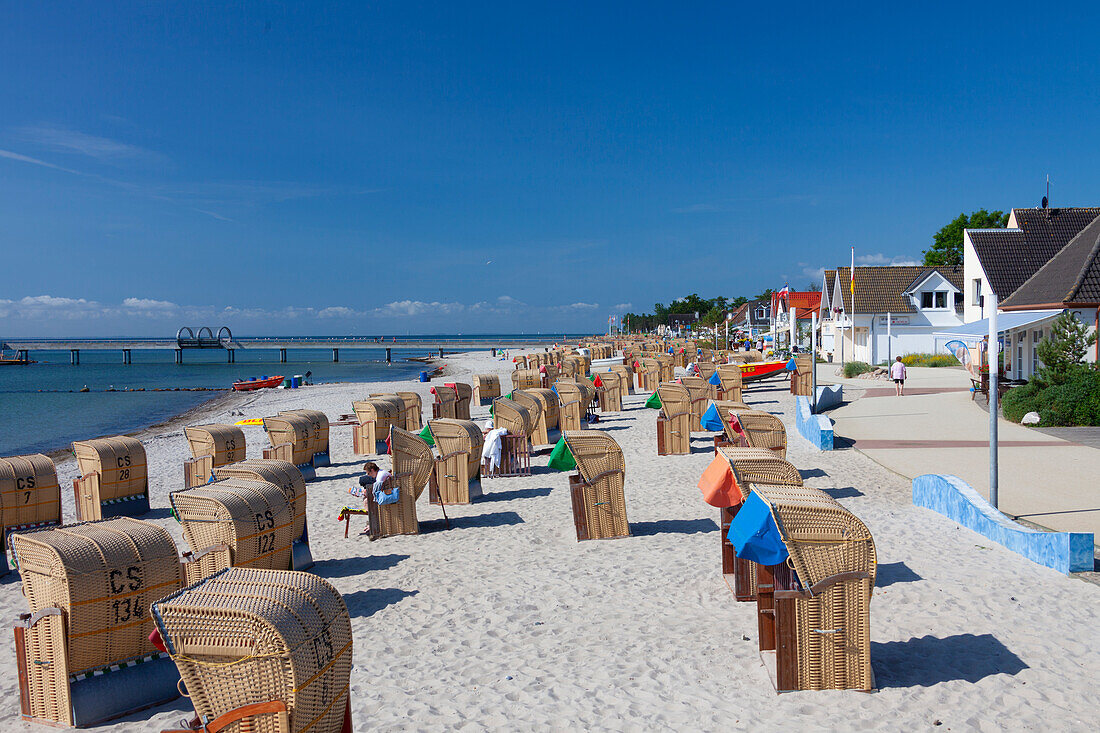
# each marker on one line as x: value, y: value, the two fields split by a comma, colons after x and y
x: 1046, y: 199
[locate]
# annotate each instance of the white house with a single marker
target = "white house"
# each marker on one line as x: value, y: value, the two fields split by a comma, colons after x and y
x: 896, y: 311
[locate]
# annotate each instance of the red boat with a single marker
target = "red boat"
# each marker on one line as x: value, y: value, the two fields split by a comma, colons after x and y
x: 762, y: 369
x: 251, y: 384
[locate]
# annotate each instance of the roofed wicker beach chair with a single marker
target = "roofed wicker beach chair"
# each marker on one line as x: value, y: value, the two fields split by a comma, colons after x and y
x: 674, y: 420
x: 221, y: 444
x: 462, y: 403
x: 526, y: 379
x: 486, y: 388
x: 538, y: 432
x: 573, y: 366
x: 746, y: 466
x: 376, y: 416
x: 515, y: 447
x: 252, y: 518
x: 288, y: 478
x: 318, y: 434
x: 815, y: 608
x: 572, y: 405
x: 30, y: 498
x: 802, y: 376
x: 413, y: 463
x: 412, y: 409
x: 761, y: 430
x: 701, y: 395
x: 596, y: 490
x: 546, y: 424
x: 82, y: 651
x: 626, y: 378
x: 667, y: 366
x: 114, y: 478
x: 610, y: 392
x: 649, y: 375
x: 706, y: 370
x: 457, y: 475
x: 266, y: 651
x: 730, y: 374
x: 446, y: 402
x: 295, y: 431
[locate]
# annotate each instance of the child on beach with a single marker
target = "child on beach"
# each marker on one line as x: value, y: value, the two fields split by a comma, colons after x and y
x: 897, y: 373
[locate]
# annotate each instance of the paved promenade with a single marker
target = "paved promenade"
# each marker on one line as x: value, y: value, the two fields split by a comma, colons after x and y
x: 936, y: 428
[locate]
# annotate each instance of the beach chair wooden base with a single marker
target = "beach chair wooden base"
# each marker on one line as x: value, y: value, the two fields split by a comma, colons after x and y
x: 739, y: 574
x: 670, y: 441
x: 364, y: 441
x: 197, y: 471
x: 596, y: 517
x: 267, y: 716
x: 515, y: 458
x: 89, y: 507
x: 50, y: 693
x: 452, y: 491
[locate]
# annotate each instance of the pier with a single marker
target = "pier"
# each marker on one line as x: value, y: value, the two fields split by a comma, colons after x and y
x: 126, y: 347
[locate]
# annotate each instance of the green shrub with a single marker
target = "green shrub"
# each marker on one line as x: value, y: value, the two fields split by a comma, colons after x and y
x: 1073, y: 402
x: 929, y: 360
x: 854, y: 368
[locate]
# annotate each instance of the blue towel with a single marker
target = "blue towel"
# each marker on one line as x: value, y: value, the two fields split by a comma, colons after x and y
x: 711, y: 420
x: 382, y: 498
x: 754, y: 535
x: 715, y: 380
x: 791, y: 366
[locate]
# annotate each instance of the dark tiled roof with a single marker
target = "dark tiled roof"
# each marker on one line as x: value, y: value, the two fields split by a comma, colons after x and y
x: 1072, y: 276
x: 830, y: 278
x: 1010, y: 256
x: 882, y: 289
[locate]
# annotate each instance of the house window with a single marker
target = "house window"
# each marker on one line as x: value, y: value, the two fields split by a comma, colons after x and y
x: 976, y: 296
x: 958, y: 299
x: 1008, y: 353
x: 1036, y: 337
x: 926, y: 300
x: 941, y: 299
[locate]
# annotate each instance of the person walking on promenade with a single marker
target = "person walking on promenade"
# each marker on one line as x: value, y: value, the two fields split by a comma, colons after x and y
x: 897, y: 373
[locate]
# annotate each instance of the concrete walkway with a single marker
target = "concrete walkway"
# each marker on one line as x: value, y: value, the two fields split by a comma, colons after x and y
x: 937, y: 428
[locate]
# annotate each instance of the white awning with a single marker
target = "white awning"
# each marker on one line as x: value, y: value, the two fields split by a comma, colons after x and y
x: 1006, y: 321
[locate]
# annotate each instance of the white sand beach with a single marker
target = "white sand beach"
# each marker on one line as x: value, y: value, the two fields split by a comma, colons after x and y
x: 505, y: 622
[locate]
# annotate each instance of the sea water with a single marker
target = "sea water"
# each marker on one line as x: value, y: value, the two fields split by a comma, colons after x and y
x: 42, y: 408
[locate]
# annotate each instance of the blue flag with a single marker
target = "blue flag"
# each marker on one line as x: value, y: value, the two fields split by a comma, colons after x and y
x: 712, y: 419
x: 715, y: 380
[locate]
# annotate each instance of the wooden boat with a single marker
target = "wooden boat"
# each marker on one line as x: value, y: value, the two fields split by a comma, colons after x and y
x: 13, y: 361
x: 251, y: 384
x: 762, y: 369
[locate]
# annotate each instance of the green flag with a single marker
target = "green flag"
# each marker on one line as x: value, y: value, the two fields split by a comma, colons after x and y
x: 426, y: 434
x: 654, y: 402
x: 561, y: 459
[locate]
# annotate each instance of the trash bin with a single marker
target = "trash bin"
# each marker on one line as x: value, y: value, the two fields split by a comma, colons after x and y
x: 424, y: 377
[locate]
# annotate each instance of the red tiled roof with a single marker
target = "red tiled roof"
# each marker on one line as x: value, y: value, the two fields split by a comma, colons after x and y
x: 806, y: 302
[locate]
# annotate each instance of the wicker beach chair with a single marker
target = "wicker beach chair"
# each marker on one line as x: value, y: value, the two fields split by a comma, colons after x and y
x: 596, y: 490
x: 224, y: 444
x: 815, y: 609
x: 706, y: 371
x: 446, y: 401
x: 295, y: 430
x: 526, y: 379
x: 701, y: 395
x: 457, y: 475
x: 465, y: 394
x: 515, y: 449
x: 802, y: 376
x: 252, y: 518
x: 667, y: 366
x: 376, y: 416
x: 83, y: 651
x: 749, y: 466
x: 414, y: 410
x: 649, y: 375
x: 675, y: 420
x: 413, y: 463
x: 546, y: 423
x: 730, y: 374
x: 318, y: 434
x: 610, y: 392
x: 762, y: 430
x: 538, y: 432
x: 114, y: 478
x: 289, y: 478
x: 30, y: 497
x: 247, y: 637
x: 486, y: 388
x: 572, y: 405
x: 626, y: 378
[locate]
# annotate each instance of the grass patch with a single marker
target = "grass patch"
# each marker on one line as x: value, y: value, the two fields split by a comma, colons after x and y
x: 855, y: 368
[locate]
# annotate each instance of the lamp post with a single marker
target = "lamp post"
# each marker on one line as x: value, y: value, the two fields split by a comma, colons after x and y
x: 729, y: 317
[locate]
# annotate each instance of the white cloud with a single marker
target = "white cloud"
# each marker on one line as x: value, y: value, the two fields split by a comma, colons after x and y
x: 814, y: 273
x: 149, y: 304
x: 35, y: 161
x: 64, y: 140
x: 404, y: 308
x: 582, y: 306
x: 621, y: 307
x: 338, y: 311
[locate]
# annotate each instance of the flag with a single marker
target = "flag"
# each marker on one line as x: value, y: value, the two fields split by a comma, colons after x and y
x: 712, y: 419
x: 715, y: 380
x: 561, y: 458
x: 426, y: 435
x: 654, y: 402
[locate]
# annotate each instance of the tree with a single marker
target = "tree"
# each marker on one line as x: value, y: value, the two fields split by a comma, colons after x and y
x: 737, y: 302
x: 766, y: 295
x: 814, y: 287
x: 947, y: 243
x: 1064, y: 348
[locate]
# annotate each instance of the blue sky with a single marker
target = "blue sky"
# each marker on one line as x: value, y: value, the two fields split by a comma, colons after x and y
x: 395, y: 167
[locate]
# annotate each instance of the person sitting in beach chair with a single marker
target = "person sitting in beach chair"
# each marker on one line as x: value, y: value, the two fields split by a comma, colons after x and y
x: 374, y: 483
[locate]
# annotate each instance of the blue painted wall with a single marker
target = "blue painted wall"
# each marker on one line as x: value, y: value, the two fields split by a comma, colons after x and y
x: 817, y: 429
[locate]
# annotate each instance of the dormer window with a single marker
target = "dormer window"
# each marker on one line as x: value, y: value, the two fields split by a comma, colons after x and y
x: 933, y: 299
